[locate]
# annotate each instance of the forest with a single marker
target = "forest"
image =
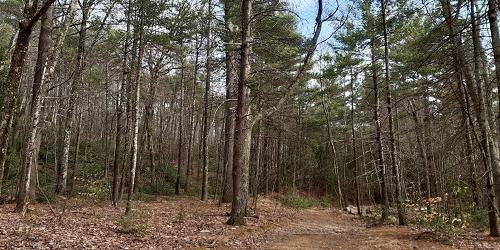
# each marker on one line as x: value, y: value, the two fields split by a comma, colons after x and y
x: 274, y: 124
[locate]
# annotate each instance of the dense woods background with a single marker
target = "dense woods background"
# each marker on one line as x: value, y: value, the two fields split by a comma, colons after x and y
x: 393, y: 103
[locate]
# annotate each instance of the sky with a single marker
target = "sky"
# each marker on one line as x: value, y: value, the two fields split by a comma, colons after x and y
x: 307, y: 9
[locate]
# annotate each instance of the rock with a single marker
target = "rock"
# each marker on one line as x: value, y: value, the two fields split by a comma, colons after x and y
x: 351, y: 209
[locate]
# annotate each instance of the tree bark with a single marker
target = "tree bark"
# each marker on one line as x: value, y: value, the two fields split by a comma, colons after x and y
x: 204, y: 186
x: 61, y: 183
x: 476, y: 93
x: 334, y: 151
x: 242, y: 130
x: 378, y: 130
x: 27, y: 172
x: 227, y: 189
x: 13, y: 81
x: 120, y: 101
x: 354, y: 153
x: 180, y: 150
x: 392, y: 143
x: 192, y: 122
x: 495, y: 40
x: 135, y: 113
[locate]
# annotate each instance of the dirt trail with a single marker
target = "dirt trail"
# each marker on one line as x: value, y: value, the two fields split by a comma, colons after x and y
x: 331, y: 229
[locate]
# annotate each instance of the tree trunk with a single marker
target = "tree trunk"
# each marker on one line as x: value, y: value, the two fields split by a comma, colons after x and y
x: 392, y: 143
x: 334, y: 151
x: 495, y: 40
x: 26, y: 175
x: 483, y: 115
x: 120, y: 101
x: 192, y: 123
x: 354, y: 154
x: 204, y: 186
x: 74, y: 167
x: 242, y: 131
x: 477, y: 94
x: 378, y: 132
x: 12, y: 83
x: 135, y: 114
x: 149, y: 126
x: 61, y: 184
x: 229, y: 106
x: 422, y: 149
x: 180, y: 150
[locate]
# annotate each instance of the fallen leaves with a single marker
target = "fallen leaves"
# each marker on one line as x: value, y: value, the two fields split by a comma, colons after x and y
x: 181, y: 222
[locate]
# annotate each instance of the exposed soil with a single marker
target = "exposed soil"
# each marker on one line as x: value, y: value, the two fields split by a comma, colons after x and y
x: 187, y: 223
x: 334, y: 229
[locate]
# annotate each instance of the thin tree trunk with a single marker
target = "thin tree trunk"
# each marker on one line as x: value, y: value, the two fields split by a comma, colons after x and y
x: 392, y: 143
x: 61, y: 184
x: 378, y: 132
x: 135, y: 115
x: 120, y: 101
x: 192, y: 123
x: 204, y: 186
x: 180, y: 150
x: 74, y: 167
x: 334, y: 151
x: 354, y: 154
x: 461, y: 69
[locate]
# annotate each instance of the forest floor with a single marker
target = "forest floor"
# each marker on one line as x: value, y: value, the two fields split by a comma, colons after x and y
x: 186, y: 222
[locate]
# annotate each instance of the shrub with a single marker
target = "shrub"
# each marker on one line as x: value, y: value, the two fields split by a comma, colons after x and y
x: 131, y: 223
x: 473, y: 216
x: 297, y: 202
x: 438, y: 222
x: 181, y: 214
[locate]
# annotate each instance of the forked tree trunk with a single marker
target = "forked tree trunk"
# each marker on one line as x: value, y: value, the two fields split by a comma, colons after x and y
x: 13, y: 81
x: 28, y: 170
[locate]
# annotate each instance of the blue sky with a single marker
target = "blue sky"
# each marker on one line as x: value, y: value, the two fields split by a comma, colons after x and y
x: 307, y: 9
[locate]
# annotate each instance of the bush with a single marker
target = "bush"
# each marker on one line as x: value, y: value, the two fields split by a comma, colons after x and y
x: 438, y: 222
x: 181, y: 214
x: 297, y: 202
x: 473, y: 216
x: 142, y: 196
x: 131, y: 223
x: 326, y: 201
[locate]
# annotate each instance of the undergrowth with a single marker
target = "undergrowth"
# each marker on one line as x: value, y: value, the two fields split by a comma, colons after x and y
x: 131, y: 223
x: 300, y: 202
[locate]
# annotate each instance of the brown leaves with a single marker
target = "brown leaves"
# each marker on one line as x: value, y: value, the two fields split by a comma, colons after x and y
x: 182, y: 222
